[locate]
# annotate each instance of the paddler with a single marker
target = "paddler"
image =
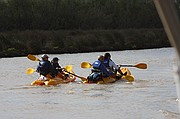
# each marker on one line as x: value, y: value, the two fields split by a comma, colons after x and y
x: 45, y: 68
x: 56, y: 67
x: 110, y: 65
x: 57, y: 70
x: 98, y: 71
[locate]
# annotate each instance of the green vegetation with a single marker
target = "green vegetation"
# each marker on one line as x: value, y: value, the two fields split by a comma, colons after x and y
x: 77, y: 14
x: 73, y: 41
x: 61, y: 26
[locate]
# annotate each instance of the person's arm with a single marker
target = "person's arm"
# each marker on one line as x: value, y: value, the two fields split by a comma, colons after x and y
x: 112, y: 64
x: 59, y: 66
x: 60, y: 69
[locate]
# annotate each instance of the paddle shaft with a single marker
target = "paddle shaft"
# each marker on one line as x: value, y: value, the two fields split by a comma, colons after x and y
x: 140, y: 66
x: 127, y: 65
x: 73, y: 74
x: 76, y: 75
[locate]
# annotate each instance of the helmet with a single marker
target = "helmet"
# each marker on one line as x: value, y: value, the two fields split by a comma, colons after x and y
x: 55, y: 59
x: 44, y: 56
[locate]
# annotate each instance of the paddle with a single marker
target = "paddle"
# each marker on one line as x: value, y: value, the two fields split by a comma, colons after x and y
x: 32, y: 57
x: 86, y: 65
x: 30, y: 71
x: 139, y: 65
x: 68, y: 68
x: 82, y: 78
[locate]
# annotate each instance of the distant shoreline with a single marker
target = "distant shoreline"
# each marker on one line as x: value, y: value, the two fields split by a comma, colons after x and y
x: 21, y: 43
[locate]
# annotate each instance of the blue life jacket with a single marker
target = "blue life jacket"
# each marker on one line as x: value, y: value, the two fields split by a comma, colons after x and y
x: 96, y: 74
x: 96, y: 64
x: 98, y: 71
x: 44, y: 67
x: 106, y: 62
x: 94, y: 77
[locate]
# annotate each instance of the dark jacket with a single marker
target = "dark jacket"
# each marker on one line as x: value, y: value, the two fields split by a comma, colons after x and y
x: 56, y: 67
x: 45, y: 68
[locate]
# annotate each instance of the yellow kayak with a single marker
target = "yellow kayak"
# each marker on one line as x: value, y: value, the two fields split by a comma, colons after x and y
x: 127, y: 78
x: 55, y: 81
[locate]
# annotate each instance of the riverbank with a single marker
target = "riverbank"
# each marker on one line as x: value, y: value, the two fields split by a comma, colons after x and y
x: 21, y: 43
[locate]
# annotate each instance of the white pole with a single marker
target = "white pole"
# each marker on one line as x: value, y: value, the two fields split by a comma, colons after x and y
x: 171, y: 23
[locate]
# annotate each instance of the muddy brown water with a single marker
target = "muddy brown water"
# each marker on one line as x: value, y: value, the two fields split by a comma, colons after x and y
x: 152, y: 95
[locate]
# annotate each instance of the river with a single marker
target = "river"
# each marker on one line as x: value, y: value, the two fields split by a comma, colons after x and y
x: 152, y: 96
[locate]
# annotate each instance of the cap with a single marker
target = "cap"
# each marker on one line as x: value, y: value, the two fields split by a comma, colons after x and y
x: 44, y: 56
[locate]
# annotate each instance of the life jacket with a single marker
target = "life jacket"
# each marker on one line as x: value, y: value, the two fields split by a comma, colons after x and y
x: 44, y: 67
x: 94, y: 77
x: 96, y: 74
x: 96, y: 66
x: 106, y: 62
x: 56, y: 68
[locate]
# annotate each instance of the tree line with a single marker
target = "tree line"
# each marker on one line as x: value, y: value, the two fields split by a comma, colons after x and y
x: 77, y: 14
x: 69, y: 26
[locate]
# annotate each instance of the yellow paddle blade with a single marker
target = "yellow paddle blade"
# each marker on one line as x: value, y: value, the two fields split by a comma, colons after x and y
x: 86, y: 65
x: 32, y: 57
x: 68, y: 68
x: 141, y: 66
x: 129, y: 78
x: 30, y: 71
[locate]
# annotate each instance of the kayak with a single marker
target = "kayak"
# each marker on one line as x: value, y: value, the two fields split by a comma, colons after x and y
x: 55, y: 81
x: 127, y: 78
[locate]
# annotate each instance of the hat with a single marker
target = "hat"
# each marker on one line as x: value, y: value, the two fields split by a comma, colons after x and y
x: 44, y: 56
